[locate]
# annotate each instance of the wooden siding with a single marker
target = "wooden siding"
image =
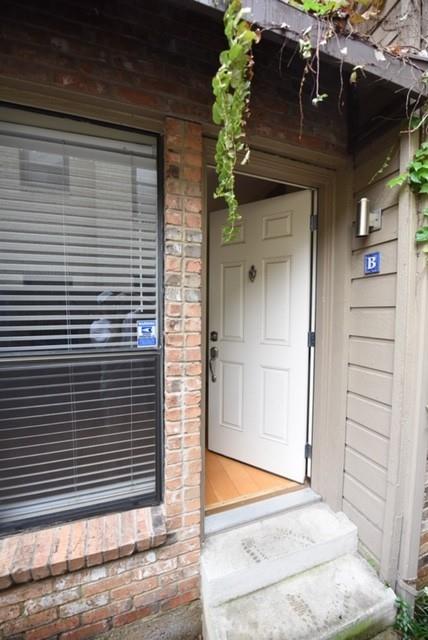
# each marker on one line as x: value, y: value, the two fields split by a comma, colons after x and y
x: 371, y: 354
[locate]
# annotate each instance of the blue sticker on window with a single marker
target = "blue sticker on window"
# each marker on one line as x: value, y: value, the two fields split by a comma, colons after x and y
x: 146, y: 333
x: 372, y: 263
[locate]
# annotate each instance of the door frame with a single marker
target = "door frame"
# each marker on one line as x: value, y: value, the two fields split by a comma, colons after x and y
x: 329, y: 354
x: 311, y: 319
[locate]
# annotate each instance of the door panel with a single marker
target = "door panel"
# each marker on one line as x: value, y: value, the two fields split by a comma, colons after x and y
x: 258, y: 395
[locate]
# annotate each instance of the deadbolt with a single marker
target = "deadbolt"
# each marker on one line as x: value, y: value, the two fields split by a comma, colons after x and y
x: 214, y: 336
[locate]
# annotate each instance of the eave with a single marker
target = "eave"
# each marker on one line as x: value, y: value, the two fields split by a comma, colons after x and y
x: 349, y: 51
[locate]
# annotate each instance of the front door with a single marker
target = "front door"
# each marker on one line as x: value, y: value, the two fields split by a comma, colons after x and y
x: 259, y: 307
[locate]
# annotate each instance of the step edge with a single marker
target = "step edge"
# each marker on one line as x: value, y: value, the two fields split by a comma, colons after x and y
x: 382, y: 613
x: 349, y: 545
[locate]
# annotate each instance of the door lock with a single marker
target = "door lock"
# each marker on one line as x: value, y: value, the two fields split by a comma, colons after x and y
x: 213, y: 336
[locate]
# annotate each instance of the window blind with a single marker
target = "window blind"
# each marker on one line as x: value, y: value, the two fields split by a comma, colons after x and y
x: 79, y: 255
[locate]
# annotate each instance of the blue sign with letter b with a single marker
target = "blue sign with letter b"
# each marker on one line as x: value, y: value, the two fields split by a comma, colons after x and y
x: 372, y: 263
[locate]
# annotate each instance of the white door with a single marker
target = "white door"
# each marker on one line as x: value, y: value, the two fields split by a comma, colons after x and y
x: 259, y: 293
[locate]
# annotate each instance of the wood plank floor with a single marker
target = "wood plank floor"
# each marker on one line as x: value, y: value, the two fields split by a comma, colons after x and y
x: 229, y: 482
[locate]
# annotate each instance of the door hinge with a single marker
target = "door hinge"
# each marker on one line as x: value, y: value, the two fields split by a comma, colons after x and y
x: 308, y: 451
x: 311, y: 338
x: 313, y: 222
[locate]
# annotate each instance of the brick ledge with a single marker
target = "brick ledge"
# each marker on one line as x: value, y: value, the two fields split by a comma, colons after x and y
x: 77, y: 545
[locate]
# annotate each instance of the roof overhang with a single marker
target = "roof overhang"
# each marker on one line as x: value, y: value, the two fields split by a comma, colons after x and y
x: 347, y: 50
x: 389, y: 87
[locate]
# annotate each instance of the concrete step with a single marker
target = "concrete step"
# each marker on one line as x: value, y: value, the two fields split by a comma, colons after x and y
x: 251, y: 557
x: 339, y: 600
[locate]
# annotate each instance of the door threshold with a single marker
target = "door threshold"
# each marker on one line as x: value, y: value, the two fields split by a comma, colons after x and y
x: 239, y: 501
x: 241, y: 515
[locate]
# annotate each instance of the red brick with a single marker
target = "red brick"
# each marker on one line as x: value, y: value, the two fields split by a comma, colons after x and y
x: 180, y: 600
x: 132, y: 616
x: 24, y: 623
x: 89, y: 631
x: 173, y: 414
x: 193, y: 340
x: 143, y: 529
x: 139, y: 98
x: 42, y: 551
x: 7, y: 553
x: 9, y: 613
x: 175, y: 340
x: 94, y: 542
x: 111, y: 528
x: 103, y: 613
x: 173, y: 309
x: 174, y: 369
x: 22, y: 593
x: 193, y: 266
x: 76, y: 558
x: 134, y: 588
x: 173, y: 202
x: 193, y: 368
x: 193, y: 205
x: 192, y: 519
x: 173, y: 217
x: 193, y: 220
x: 53, y: 629
x: 193, y: 324
x: 107, y: 584
x: 58, y: 560
x: 174, y: 127
x: 192, y: 310
x: 172, y: 263
x: 192, y: 174
x: 127, y: 533
x: 192, y: 384
x: 192, y: 159
x: 165, y: 592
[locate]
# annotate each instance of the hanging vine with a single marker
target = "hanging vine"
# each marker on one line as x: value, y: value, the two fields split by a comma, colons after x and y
x: 231, y: 87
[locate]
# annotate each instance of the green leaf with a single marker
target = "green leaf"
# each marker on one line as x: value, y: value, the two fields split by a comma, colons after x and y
x: 235, y: 52
x: 217, y: 116
x: 398, y: 180
x: 424, y: 188
x: 422, y: 234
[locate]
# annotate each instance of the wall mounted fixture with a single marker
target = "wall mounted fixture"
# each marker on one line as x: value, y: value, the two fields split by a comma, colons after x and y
x: 367, y: 221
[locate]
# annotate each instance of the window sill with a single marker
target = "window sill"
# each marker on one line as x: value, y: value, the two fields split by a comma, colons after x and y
x: 77, y: 545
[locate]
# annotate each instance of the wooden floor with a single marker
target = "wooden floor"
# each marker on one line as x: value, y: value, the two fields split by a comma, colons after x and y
x: 228, y: 482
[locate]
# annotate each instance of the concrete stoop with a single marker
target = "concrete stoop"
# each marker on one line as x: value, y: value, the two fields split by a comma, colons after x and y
x: 294, y: 576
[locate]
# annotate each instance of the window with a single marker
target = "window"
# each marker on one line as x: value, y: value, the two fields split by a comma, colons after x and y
x: 79, y: 325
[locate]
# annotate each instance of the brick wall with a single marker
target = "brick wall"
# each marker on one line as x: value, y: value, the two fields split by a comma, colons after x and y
x: 159, y: 57
x: 92, y: 600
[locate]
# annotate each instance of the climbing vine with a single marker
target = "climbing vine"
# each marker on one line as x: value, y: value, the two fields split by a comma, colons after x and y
x: 231, y: 87
x: 416, y: 177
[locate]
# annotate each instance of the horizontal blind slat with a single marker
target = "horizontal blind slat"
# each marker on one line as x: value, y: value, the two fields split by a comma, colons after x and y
x: 78, y: 271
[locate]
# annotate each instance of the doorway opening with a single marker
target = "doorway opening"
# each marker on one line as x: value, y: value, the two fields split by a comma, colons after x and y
x: 259, y: 348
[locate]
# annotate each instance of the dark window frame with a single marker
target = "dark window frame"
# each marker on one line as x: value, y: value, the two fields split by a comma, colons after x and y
x: 156, y: 498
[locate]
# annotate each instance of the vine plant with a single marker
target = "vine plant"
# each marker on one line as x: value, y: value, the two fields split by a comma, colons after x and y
x: 416, y: 177
x: 232, y: 82
x: 231, y: 87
